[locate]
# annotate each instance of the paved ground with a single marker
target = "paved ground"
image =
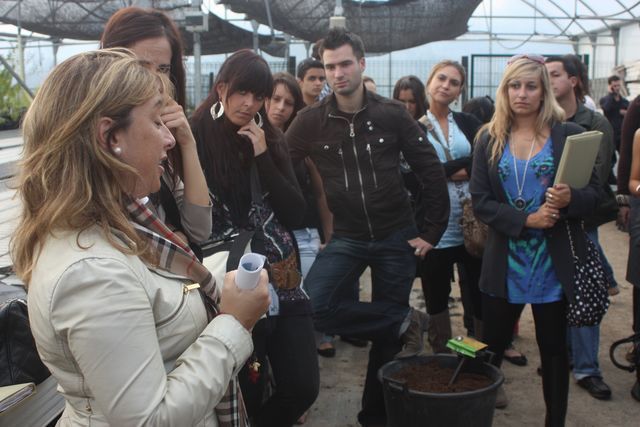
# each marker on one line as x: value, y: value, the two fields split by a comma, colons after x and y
x: 342, y: 377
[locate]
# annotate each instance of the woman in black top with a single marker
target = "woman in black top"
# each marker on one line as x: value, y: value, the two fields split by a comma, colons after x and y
x: 243, y: 154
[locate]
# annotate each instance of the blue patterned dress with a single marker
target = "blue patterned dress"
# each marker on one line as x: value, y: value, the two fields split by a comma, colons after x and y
x: 531, y: 278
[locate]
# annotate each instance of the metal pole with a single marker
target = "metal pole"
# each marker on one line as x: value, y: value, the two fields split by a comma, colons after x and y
x: 389, y: 79
x: 197, y: 69
x: 20, y: 44
x: 256, y: 45
x: 16, y: 76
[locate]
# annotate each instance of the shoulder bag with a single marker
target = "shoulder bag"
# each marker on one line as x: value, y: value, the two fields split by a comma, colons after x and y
x: 591, y: 299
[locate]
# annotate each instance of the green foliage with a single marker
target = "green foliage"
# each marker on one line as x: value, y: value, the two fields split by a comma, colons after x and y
x: 13, y: 100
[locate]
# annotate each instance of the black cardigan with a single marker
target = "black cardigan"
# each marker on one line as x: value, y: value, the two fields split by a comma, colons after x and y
x: 491, y: 207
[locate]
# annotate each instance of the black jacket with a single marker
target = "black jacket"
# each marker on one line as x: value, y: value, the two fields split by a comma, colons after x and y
x: 611, y: 109
x: 358, y: 159
x: 607, y: 209
x: 491, y: 207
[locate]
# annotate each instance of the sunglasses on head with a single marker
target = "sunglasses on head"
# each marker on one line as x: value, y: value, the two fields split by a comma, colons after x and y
x: 535, y: 58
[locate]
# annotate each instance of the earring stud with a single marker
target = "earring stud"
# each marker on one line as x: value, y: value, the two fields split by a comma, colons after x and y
x: 117, y: 151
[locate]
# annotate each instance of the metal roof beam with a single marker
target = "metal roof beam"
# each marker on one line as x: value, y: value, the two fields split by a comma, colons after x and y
x: 566, y: 13
x: 537, y: 9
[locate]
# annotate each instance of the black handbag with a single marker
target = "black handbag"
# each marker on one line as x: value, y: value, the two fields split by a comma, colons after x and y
x: 590, y: 286
x: 19, y: 360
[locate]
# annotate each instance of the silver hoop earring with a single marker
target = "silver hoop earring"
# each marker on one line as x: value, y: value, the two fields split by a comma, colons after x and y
x: 259, y: 122
x: 217, y: 114
x: 117, y: 151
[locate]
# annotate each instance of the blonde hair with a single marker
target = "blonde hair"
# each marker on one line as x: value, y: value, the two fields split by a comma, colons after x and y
x: 67, y: 181
x: 499, y: 126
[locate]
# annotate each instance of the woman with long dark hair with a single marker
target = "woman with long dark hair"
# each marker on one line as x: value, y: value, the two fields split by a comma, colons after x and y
x: 285, y: 101
x: 183, y: 200
x: 528, y: 256
x: 253, y: 187
x: 410, y: 91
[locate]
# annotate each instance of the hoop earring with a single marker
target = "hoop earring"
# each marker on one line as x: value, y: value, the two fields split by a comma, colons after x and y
x: 259, y: 122
x: 217, y: 114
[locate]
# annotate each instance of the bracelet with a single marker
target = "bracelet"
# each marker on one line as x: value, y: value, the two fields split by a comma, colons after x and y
x: 622, y: 200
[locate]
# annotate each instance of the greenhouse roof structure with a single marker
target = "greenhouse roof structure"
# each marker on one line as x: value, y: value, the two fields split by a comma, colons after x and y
x: 385, y: 25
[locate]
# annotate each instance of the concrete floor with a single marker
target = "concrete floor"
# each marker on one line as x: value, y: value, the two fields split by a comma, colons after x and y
x: 342, y: 377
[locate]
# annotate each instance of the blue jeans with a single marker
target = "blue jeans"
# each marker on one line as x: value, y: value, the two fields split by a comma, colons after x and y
x: 337, y: 267
x: 330, y: 286
x: 584, y: 342
x: 608, y: 270
x: 308, y: 241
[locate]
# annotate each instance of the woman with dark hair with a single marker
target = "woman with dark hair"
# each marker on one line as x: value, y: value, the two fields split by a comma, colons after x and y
x: 285, y: 101
x: 410, y: 91
x: 481, y: 107
x: 253, y: 187
x: 183, y: 200
x: 152, y: 35
x: 316, y: 226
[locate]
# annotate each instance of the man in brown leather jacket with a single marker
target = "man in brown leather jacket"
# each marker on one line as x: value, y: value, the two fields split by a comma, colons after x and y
x: 355, y: 138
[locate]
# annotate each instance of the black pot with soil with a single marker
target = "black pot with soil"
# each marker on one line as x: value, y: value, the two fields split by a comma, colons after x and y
x: 418, y: 393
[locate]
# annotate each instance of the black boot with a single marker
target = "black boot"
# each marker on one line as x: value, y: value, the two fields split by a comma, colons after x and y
x: 555, y: 387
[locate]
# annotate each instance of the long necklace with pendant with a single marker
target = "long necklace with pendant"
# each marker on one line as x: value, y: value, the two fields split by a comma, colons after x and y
x: 519, y: 202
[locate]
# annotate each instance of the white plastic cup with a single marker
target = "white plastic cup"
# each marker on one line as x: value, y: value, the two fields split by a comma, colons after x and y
x: 249, y: 268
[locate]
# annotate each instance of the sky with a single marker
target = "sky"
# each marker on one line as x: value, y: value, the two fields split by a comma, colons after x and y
x: 39, y: 55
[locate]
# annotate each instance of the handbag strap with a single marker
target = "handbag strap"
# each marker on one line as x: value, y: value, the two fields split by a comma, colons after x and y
x: 572, y: 244
x: 431, y: 129
x: 237, y: 249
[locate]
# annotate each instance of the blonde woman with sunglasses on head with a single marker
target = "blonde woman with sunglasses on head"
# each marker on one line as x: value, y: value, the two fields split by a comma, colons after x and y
x: 527, y: 258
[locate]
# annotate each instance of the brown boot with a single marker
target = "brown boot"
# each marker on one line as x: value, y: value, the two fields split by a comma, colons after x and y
x: 412, y: 338
x: 439, y: 332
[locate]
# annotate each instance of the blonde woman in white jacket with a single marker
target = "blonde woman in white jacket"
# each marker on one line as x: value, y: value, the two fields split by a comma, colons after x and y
x: 126, y: 319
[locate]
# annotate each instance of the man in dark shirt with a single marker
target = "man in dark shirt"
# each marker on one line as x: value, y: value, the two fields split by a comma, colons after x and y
x: 355, y: 138
x: 614, y: 107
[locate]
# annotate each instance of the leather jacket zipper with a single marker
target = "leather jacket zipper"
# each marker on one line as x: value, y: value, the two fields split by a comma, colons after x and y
x: 352, y: 135
x: 344, y: 169
x: 373, y: 171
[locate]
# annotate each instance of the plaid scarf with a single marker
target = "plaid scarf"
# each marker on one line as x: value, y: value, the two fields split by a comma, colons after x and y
x: 176, y: 257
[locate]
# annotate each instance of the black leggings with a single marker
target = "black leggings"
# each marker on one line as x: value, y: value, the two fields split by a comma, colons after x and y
x: 289, y: 344
x: 551, y: 334
x: 435, y: 273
